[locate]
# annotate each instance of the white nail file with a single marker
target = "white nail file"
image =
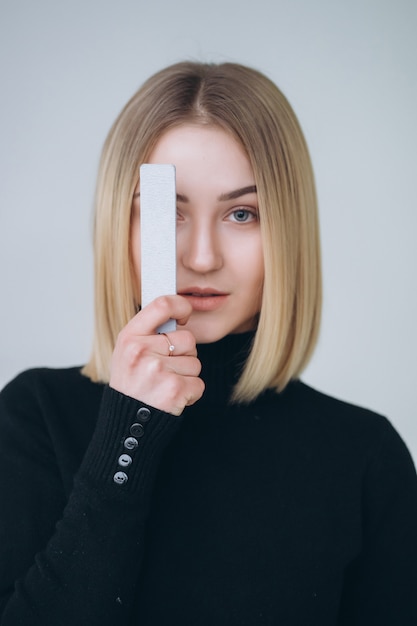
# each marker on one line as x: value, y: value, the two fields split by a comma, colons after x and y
x: 158, y: 235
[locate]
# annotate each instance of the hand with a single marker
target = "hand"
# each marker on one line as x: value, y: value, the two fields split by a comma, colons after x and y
x: 141, y: 366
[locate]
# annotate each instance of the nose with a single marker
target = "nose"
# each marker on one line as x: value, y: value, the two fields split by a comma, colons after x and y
x: 200, y: 249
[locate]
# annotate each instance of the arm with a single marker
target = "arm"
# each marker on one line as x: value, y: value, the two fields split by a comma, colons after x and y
x: 85, y: 569
x: 381, y: 585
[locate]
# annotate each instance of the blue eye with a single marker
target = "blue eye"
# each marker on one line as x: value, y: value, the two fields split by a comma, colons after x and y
x: 243, y: 215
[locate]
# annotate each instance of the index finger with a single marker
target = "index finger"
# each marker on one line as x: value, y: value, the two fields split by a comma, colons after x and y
x: 159, y: 311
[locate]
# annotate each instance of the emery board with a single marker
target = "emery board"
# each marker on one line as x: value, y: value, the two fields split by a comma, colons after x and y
x: 158, y: 209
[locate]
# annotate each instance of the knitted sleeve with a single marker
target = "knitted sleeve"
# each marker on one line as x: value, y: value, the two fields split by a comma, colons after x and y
x: 75, y: 561
x: 381, y: 585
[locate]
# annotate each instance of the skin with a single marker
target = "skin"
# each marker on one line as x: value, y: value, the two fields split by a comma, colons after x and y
x: 219, y: 269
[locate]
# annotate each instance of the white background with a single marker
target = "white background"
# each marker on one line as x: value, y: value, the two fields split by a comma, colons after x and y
x: 349, y: 69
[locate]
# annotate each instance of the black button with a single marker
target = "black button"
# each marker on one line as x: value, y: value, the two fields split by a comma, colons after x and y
x: 125, y: 460
x: 131, y: 443
x: 120, y: 478
x: 143, y: 414
x: 137, y: 430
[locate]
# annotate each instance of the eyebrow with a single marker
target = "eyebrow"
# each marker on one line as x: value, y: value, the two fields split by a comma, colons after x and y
x: 230, y: 195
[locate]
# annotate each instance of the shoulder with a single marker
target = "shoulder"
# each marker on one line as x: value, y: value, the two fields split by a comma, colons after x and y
x: 47, y: 391
x: 38, y: 382
x: 320, y: 407
x: 347, y: 427
x: 318, y: 401
x: 32, y: 378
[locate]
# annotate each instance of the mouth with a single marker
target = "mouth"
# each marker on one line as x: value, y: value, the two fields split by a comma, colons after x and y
x: 204, y: 300
x: 201, y: 293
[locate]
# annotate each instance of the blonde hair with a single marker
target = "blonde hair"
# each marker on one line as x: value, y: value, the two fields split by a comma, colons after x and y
x: 248, y: 105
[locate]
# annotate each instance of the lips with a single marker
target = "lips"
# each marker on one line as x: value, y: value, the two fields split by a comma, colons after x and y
x: 204, y: 300
x: 201, y: 292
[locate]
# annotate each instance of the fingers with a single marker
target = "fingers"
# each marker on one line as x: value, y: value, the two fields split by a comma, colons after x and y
x: 136, y: 347
x: 167, y: 383
x: 175, y: 392
x: 179, y: 342
x: 161, y: 370
x: 142, y: 354
x: 160, y: 311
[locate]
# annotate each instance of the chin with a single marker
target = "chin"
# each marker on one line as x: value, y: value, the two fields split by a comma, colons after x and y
x: 209, y: 337
x: 210, y: 333
x: 206, y: 332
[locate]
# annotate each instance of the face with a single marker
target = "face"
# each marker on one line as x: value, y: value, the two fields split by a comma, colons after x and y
x: 219, y: 252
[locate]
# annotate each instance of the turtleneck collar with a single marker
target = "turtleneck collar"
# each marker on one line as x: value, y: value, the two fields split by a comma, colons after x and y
x: 222, y: 363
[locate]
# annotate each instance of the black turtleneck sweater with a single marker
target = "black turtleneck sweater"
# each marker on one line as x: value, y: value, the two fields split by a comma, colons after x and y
x: 294, y: 510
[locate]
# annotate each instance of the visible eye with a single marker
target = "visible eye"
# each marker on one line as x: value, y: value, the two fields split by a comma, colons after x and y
x: 242, y: 215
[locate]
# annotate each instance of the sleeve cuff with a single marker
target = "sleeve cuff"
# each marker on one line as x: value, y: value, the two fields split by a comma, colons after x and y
x: 127, y: 444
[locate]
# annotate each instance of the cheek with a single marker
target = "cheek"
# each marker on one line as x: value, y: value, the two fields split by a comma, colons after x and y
x: 256, y: 271
x: 253, y: 263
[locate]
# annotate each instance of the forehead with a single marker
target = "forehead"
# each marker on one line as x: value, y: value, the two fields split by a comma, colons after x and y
x: 203, y: 153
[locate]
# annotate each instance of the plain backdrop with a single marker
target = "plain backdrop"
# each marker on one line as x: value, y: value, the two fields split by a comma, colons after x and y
x: 349, y: 69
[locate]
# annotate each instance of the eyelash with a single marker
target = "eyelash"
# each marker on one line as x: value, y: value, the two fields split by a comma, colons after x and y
x: 250, y: 214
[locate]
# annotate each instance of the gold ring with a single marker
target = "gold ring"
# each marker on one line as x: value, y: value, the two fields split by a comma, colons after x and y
x: 171, y: 348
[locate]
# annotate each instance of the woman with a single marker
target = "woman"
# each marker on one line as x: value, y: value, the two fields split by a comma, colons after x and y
x: 192, y: 478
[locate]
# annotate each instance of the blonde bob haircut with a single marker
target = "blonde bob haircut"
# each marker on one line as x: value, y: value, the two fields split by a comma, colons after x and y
x: 246, y: 104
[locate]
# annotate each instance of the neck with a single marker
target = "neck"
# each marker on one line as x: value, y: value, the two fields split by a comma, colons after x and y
x: 222, y: 363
